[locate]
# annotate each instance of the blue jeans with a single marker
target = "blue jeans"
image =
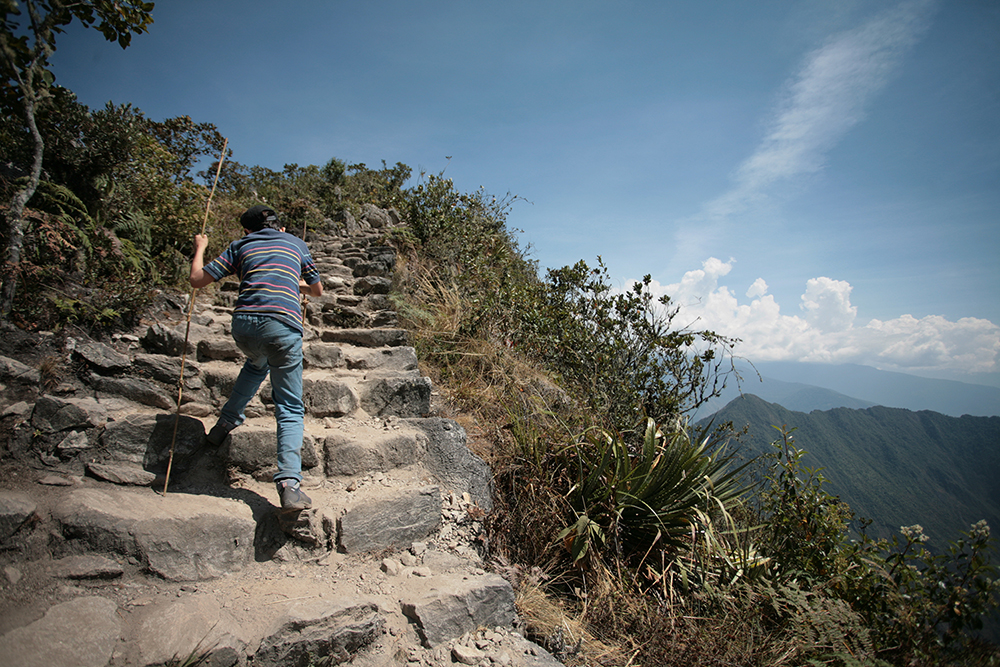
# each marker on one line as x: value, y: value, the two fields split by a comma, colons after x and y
x: 271, y: 346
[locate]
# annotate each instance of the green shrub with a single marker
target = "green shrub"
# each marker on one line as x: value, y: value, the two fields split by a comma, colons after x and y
x: 664, y: 496
x: 916, y: 607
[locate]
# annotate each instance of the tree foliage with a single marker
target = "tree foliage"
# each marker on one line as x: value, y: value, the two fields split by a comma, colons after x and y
x: 25, y: 49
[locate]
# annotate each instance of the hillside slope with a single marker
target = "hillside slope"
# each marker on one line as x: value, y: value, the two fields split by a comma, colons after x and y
x: 891, y: 465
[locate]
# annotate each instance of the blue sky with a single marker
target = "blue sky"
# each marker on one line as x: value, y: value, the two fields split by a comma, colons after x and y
x: 818, y: 178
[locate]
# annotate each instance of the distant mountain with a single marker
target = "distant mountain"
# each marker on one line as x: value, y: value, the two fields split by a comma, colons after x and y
x: 896, y: 390
x: 792, y: 395
x: 805, y: 387
x: 894, y: 466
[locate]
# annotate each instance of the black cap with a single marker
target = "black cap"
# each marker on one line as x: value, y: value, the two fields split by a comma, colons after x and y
x: 257, y: 217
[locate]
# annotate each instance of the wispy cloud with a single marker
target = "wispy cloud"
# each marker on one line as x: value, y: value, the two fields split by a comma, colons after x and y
x: 819, y: 104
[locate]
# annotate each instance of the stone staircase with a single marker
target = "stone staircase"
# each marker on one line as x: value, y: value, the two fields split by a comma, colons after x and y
x: 104, y: 568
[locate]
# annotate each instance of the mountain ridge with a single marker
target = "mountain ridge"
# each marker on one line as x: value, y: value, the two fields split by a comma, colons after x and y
x: 804, y: 387
x: 892, y: 465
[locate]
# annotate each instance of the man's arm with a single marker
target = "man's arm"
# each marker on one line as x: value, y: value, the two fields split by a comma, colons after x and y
x: 199, y: 278
x: 316, y: 289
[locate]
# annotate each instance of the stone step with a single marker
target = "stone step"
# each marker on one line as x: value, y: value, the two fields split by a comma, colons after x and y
x: 383, y: 474
x: 178, y: 537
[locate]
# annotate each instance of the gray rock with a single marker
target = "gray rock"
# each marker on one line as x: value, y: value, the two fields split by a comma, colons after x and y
x: 164, y: 368
x: 375, y: 451
x: 378, y: 302
x: 103, y: 359
x: 309, y: 526
x: 74, y: 443
x: 12, y: 370
x: 344, y: 316
x: 169, y: 632
x: 397, y: 396
x: 319, y: 632
x: 349, y: 300
x: 326, y: 397
x: 86, y: 567
x: 253, y: 448
x: 444, y: 561
x: 383, y: 253
x: 452, y: 462
x: 82, y: 632
x: 160, y: 530
x: 391, y: 520
x: 140, y: 391
x: 131, y: 475
x: 375, y: 216
x: 351, y: 227
x: 223, y: 349
x: 21, y: 410
x: 196, y: 409
x: 385, y: 318
x: 161, y: 340
x: 52, y: 415
x: 55, y: 480
x: 15, y: 509
x: 368, y: 337
x: 392, y: 359
x: 221, y: 379
x: 467, y: 655
x: 12, y: 574
x: 455, y: 605
x: 322, y: 355
x: 372, y: 285
x: 376, y: 268
x: 145, y: 439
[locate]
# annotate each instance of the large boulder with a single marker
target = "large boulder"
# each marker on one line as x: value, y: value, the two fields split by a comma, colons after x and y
x: 391, y: 520
x: 15, y: 509
x: 52, y: 414
x: 358, y: 452
x: 178, y: 537
x: 454, y: 605
x: 451, y: 461
x: 320, y: 632
x: 82, y: 632
x: 169, y: 631
x: 396, y: 396
x: 253, y: 448
x: 146, y: 439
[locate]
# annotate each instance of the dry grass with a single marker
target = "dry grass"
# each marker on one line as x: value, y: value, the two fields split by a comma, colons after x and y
x: 518, y: 420
x: 549, y: 621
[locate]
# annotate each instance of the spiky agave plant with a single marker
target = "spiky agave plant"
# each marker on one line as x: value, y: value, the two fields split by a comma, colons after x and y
x: 665, y: 494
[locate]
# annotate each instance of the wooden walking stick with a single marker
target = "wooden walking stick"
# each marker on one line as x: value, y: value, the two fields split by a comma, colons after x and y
x: 187, y: 330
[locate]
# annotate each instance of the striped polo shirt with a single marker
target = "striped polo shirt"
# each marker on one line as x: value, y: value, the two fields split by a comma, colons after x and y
x: 268, y: 264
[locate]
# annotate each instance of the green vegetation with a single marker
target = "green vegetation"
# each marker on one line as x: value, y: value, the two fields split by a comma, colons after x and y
x: 646, y: 537
x: 28, y: 84
x: 892, y: 466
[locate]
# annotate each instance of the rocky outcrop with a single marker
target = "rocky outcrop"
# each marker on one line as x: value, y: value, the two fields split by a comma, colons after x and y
x: 106, y: 563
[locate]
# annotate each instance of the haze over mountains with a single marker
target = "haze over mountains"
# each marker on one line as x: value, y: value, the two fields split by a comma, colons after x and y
x: 804, y: 387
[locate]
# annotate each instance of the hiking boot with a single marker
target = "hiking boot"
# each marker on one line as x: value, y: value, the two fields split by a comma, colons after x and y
x: 219, y: 432
x: 293, y: 498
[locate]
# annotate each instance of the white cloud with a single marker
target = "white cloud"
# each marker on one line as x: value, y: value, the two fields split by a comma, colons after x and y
x: 759, y: 288
x: 827, y: 304
x: 826, y: 331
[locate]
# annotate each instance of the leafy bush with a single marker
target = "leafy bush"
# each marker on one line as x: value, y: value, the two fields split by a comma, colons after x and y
x: 915, y: 607
x: 623, y: 351
x: 663, y: 496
